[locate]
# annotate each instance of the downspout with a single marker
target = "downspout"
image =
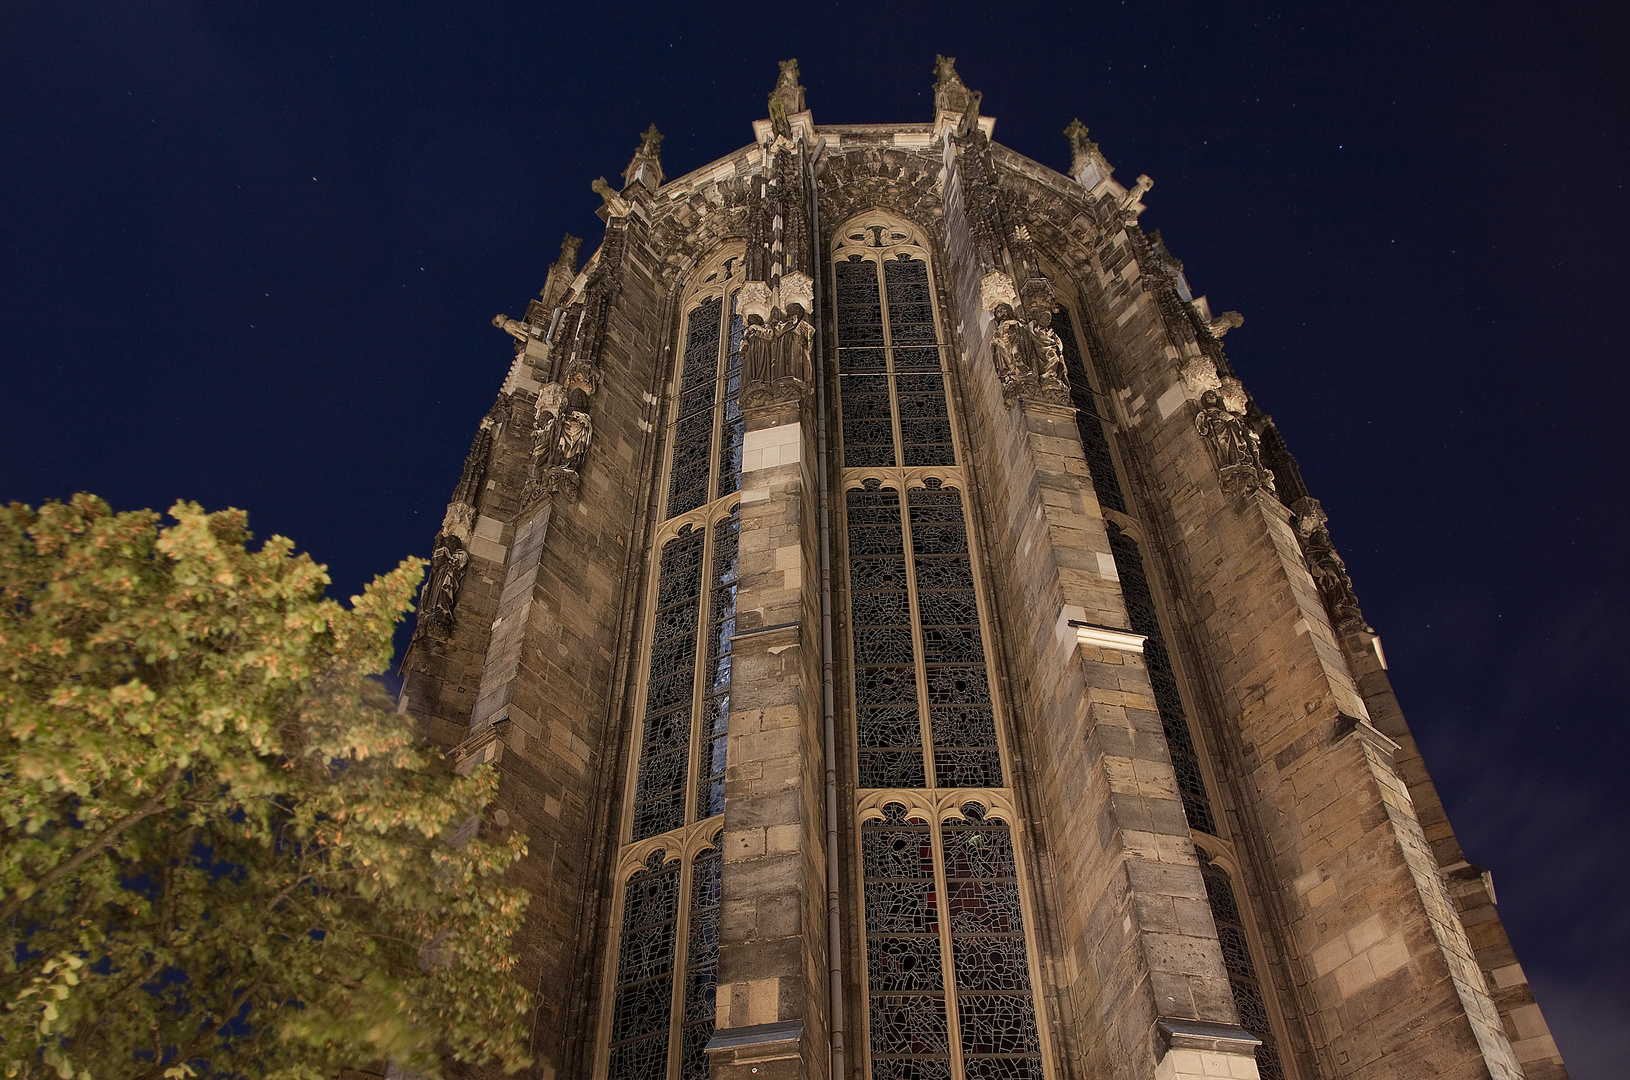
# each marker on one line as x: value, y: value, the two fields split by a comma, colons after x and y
x: 834, y: 925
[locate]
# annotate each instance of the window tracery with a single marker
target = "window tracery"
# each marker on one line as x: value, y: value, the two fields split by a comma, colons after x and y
x: 708, y: 427
x: 947, y: 966
x: 660, y: 1023
x: 948, y: 973
x: 1241, y: 967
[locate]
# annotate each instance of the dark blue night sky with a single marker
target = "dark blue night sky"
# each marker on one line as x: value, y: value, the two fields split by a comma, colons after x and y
x: 249, y: 253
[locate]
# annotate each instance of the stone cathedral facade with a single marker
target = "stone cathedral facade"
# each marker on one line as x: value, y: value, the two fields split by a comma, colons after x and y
x: 912, y: 654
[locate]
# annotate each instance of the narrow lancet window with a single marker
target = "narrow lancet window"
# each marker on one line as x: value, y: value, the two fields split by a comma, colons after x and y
x: 640, y: 1019
x: 698, y: 394
x: 904, y: 956
x: 1140, y: 610
x: 716, y: 675
x: 995, y: 1004
x: 868, y: 412
x: 890, y: 729
x: 659, y: 793
x: 1087, y: 421
x: 701, y: 961
x: 1242, y: 978
x: 961, y: 718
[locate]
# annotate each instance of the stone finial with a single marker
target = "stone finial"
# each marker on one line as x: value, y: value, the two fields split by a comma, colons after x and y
x: 949, y: 91
x: 616, y: 205
x: 788, y: 92
x: 1136, y: 192
x: 569, y: 246
x: 1079, y: 143
x: 1087, y: 164
x: 562, y: 271
x: 1225, y: 322
x: 646, y: 167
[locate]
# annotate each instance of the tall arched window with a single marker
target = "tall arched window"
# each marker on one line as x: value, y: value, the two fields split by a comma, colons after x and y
x: 949, y: 977
x: 660, y: 1004
x: 707, y: 427
x: 661, y: 987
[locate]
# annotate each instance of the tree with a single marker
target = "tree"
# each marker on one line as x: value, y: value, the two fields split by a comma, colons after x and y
x: 222, y: 853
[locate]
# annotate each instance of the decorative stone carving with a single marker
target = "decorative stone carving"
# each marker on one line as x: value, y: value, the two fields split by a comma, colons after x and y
x: 1233, y: 445
x: 646, y: 167
x: 1225, y: 322
x: 1029, y: 358
x: 949, y: 92
x: 515, y: 328
x: 459, y: 521
x: 1051, y: 373
x: 1087, y: 164
x: 1200, y: 375
x: 797, y: 290
x: 1328, y: 570
x: 1233, y: 395
x: 572, y: 444
x: 440, y: 596
x: 997, y: 288
x: 755, y: 301
x: 1010, y: 350
x: 788, y: 92
x: 1130, y: 201
x: 616, y: 205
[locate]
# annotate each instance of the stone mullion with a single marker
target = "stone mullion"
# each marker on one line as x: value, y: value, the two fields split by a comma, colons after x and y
x: 919, y: 665
x: 704, y: 616
x: 721, y: 363
x: 942, y: 900
x: 888, y: 367
x: 676, y: 1003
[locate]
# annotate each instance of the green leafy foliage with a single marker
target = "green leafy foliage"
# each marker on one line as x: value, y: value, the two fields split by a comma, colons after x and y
x: 222, y: 853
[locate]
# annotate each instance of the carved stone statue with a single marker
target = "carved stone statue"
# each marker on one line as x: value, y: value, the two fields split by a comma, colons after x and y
x: 1233, y: 445
x: 1327, y: 567
x: 1011, y: 345
x: 440, y: 597
x: 1049, y: 356
x: 576, y: 431
x: 516, y: 329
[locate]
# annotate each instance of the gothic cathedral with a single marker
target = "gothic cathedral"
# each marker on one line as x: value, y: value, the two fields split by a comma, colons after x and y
x: 912, y: 654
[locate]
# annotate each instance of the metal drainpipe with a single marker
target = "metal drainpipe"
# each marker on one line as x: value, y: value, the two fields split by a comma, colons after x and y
x: 834, y: 925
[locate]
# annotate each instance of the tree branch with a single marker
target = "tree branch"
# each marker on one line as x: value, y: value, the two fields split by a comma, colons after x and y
x: 102, y: 842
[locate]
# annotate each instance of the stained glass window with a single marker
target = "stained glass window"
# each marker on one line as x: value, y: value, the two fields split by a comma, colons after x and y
x: 912, y: 928
x: 905, y: 970
x: 701, y: 962
x: 890, y: 730
x: 716, y: 674
x: 640, y: 1017
x: 995, y: 1005
x: 1087, y: 420
x: 733, y: 428
x: 895, y: 691
x: 868, y: 412
x: 1242, y: 978
x: 698, y: 395
x: 679, y: 763
x: 903, y: 352
x: 659, y: 792
x: 708, y: 413
x: 961, y: 717
x: 948, y: 975
x: 1140, y: 609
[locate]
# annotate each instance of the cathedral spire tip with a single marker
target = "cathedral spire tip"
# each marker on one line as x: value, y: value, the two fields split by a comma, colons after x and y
x: 646, y: 167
